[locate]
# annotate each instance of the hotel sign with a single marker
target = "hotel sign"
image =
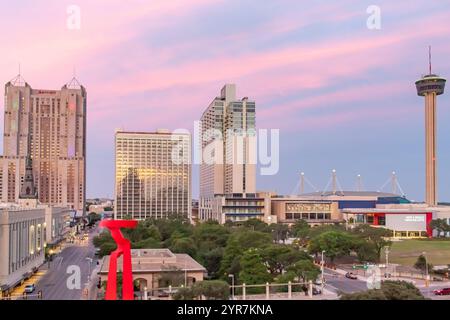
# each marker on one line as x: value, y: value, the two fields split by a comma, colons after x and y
x: 308, y: 207
x: 46, y: 92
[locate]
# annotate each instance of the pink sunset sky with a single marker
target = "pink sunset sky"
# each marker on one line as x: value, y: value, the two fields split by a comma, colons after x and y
x: 342, y: 95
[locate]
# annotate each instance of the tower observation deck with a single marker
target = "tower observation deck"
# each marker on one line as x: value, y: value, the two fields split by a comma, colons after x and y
x: 430, y: 86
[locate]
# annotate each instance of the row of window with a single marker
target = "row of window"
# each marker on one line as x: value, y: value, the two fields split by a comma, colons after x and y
x: 308, y: 216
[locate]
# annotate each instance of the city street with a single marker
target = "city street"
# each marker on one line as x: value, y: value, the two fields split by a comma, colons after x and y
x: 336, y: 282
x: 54, y: 282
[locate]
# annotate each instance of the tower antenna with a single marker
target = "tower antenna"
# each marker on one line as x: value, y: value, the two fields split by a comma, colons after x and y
x: 429, y: 57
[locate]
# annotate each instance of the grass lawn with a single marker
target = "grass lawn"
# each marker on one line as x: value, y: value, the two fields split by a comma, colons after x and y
x: 406, y: 252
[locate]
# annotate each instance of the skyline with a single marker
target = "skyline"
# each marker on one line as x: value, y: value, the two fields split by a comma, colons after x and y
x: 320, y: 98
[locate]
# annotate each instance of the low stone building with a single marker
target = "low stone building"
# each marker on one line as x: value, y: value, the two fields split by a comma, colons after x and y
x: 158, y: 268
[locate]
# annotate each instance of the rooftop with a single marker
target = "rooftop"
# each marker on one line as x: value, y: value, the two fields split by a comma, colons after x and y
x: 352, y: 194
x: 156, y: 260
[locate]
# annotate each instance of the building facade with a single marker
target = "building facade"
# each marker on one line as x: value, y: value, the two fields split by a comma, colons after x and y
x: 152, y: 175
x: 25, y: 232
x: 22, y: 243
x: 228, y: 168
x: 50, y: 127
x: 159, y: 268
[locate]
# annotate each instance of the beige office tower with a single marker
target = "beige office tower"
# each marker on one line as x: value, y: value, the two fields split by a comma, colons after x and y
x: 153, y: 175
x: 50, y: 126
x: 228, y: 168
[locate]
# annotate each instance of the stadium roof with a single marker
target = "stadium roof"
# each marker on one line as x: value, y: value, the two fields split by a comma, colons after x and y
x: 352, y: 194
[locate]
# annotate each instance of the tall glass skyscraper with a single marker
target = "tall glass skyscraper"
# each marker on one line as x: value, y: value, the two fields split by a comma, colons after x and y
x: 153, y: 175
x: 228, y: 168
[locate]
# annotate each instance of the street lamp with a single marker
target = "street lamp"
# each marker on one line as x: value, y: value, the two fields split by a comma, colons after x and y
x: 232, y: 285
x: 321, y: 269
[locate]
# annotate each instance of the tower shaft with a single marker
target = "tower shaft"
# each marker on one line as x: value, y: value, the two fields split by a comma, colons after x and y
x: 430, y: 150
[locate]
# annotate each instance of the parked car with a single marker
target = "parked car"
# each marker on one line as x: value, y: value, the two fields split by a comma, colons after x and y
x: 350, y: 275
x: 29, y: 288
x: 163, y: 294
x: 442, y: 292
x: 316, y: 291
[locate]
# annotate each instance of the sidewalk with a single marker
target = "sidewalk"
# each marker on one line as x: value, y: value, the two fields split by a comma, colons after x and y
x: 91, y: 287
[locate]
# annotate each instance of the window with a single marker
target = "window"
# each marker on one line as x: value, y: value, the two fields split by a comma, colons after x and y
x: 31, y: 240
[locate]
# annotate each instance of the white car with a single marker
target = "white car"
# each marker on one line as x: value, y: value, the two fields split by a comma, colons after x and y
x: 29, y: 288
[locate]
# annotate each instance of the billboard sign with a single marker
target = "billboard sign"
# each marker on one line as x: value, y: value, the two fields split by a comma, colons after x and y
x: 406, y: 222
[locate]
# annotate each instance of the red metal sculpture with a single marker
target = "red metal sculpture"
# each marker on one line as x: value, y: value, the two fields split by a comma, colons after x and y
x: 123, y: 248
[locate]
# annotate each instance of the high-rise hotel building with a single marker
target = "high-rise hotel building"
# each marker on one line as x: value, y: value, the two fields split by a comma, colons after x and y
x: 228, y: 168
x: 50, y: 127
x: 153, y: 175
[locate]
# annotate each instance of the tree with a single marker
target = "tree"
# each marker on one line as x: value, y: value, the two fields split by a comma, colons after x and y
x: 148, y: 243
x: 231, y: 258
x: 285, y: 278
x: 320, y: 229
x: 253, y: 270
x: 377, y: 236
x: 305, y: 270
x: 421, y: 264
x: 279, y: 232
x: 367, y: 252
x: 389, y: 290
x: 212, y: 289
x: 106, y: 248
x: 255, y: 225
x: 440, y: 225
x: 237, y: 243
x: 335, y: 243
x: 184, y: 245
x: 279, y: 257
x: 211, y: 260
x: 93, y: 218
x: 300, y: 229
x: 253, y: 239
x: 210, y: 235
x: 184, y: 294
